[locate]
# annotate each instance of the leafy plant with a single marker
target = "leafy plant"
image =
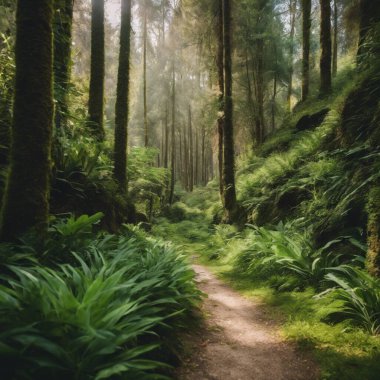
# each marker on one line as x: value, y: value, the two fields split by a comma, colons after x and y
x: 359, y: 294
x: 111, y: 313
x: 283, y: 250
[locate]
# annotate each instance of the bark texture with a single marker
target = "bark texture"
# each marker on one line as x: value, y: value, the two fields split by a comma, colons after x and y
x: 96, y: 96
x: 373, y: 231
x: 326, y: 48
x: 220, y: 68
x: 63, y: 20
x: 229, y: 191
x: 306, y: 25
x: 122, y: 98
x: 26, y: 199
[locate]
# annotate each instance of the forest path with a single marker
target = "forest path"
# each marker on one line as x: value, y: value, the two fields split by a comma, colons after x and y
x: 240, y: 341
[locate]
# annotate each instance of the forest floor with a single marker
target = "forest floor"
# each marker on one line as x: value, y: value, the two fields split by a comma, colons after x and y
x: 239, y: 340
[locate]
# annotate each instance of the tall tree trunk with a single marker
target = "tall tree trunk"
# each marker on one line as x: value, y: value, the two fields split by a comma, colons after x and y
x: 335, y: 44
x: 292, y: 11
x: 306, y: 26
x: 373, y: 231
x: 196, y: 171
x: 325, y: 64
x: 173, y: 146
x: 191, y: 154
x: 166, y: 155
x: 145, y: 37
x: 220, y: 68
x: 229, y: 191
x: 96, y: 96
x: 252, y: 106
x: 260, y: 125
x: 63, y: 20
x: 274, y: 92
x: 203, y: 155
x: 26, y: 200
x: 185, y: 160
x: 122, y: 98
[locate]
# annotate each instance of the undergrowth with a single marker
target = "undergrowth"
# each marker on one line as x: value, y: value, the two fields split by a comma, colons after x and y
x: 112, y: 310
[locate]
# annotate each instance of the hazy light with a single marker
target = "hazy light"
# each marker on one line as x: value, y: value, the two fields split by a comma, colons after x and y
x: 113, y: 11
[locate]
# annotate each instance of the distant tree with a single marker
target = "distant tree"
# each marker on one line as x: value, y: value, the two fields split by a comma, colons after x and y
x: 96, y: 95
x: 63, y: 19
x: 145, y: 43
x: 173, y: 142
x: 335, y: 40
x: 26, y: 199
x: 229, y: 191
x: 293, y: 13
x: 122, y: 98
x: 306, y: 26
x: 220, y: 71
x: 326, y: 47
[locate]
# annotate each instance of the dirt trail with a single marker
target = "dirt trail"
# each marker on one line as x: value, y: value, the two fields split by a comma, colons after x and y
x: 240, y: 342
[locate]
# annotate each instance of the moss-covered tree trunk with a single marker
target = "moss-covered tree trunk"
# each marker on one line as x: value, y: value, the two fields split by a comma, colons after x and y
x: 166, y: 154
x: 145, y: 38
x: 26, y: 199
x: 326, y: 48
x: 373, y: 231
x: 96, y: 95
x: 173, y: 146
x: 335, y: 43
x: 122, y: 95
x: 220, y: 69
x: 229, y: 191
x: 63, y: 20
x: 306, y: 25
x: 191, y: 153
x: 292, y: 11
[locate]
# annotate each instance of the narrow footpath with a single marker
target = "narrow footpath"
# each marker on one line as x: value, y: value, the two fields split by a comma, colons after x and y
x: 240, y: 341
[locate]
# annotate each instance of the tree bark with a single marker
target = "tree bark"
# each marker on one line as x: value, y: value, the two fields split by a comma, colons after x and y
x: 335, y: 43
x: 122, y: 98
x: 26, y: 200
x: 145, y: 37
x: 220, y: 69
x: 166, y: 155
x: 173, y: 146
x: 373, y: 231
x: 229, y: 191
x: 325, y: 63
x: 63, y: 20
x: 96, y: 96
x: 191, y: 154
x: 292, y: 11
x: 306, y: 26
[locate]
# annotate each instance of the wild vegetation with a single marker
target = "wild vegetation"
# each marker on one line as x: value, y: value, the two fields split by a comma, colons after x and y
x: 136, y: 136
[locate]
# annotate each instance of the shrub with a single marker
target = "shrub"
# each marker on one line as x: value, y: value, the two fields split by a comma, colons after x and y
x: 110, y: 313
x: 359, y: 295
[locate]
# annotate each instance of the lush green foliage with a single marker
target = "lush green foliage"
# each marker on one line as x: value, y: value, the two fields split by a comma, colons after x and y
x: 110, y: 313
x: 360, y: 294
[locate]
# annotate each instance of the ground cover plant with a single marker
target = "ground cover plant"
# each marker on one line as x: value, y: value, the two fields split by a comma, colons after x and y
x: 111, y: 311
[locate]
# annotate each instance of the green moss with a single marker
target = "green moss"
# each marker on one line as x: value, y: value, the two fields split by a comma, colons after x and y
x: 373, y: 231
x: 26, y: 198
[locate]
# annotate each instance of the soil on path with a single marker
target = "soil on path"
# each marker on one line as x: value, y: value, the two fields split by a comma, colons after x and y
x: 239, y: 341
